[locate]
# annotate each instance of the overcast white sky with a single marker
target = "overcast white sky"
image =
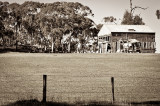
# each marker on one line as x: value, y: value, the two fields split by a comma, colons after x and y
x: 116, y: 8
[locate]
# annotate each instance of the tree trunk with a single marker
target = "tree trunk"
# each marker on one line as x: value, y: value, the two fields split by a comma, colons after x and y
x: 69, y: 47
x: 16, y: 39
x: 31, y: 39
x: 52, y: 45
x: 131, y: 6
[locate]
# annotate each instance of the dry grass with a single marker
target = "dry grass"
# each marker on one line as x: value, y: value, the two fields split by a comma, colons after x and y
x: 76, y: 78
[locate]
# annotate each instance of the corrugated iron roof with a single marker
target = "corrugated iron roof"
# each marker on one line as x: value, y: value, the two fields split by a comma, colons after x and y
x: 108, y: 29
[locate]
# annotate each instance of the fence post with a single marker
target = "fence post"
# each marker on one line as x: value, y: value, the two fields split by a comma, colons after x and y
x: 44, y: 87
x: 112, y: 81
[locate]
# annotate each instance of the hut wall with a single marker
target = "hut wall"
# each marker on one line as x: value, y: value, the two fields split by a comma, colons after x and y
x: 142, y: 37
x: 147, y: 40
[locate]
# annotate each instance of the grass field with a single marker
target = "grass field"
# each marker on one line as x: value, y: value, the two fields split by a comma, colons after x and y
x: 79, y: 77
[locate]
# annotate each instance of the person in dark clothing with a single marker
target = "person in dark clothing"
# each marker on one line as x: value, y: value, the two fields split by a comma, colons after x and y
x: 108, y: 48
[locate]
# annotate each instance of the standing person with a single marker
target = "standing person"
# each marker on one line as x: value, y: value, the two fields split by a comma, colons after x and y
x: 109, y: 48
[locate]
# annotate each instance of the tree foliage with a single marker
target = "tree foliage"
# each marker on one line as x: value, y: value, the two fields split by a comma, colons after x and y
x: 130, y: 19
x: 2, y: 28
x: 109, y: 19
x: 39, y: 23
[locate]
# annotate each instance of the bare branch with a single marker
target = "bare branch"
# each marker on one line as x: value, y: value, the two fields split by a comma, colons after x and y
x: 131, y: 5
x: 133, y: 9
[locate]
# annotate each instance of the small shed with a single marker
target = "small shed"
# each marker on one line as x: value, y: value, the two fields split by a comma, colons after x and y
x: 126, y: 38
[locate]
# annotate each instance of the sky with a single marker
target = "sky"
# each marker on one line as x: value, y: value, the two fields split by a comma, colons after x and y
x: 116, y: 8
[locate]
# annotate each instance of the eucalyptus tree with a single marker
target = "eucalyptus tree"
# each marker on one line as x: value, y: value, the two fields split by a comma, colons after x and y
x: 70, y: 18
x: 29, y: 11
x: 56, y: 37
x: 4, y: 15
x: 80, y: 23
x: 130, y: 19
x: 49, y: 22
x: 3, y: 11
x: 15, y: 21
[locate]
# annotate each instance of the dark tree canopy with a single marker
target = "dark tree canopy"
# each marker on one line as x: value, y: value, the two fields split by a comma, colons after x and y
x: 44, y: 23
x: 109, y: 19
x: 129, y: 19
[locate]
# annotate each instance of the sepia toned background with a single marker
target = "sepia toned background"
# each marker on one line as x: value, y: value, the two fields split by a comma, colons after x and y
x: 116, y: 8
x: 86, y: 77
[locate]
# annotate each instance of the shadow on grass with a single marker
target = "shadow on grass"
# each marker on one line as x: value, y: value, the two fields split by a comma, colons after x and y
x: 35, y: 102
x: 147, y: 103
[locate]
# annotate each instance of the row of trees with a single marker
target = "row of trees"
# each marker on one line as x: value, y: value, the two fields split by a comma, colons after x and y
x: 49, y: 24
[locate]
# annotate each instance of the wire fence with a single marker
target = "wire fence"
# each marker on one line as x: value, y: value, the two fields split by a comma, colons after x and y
x: 72, y: 89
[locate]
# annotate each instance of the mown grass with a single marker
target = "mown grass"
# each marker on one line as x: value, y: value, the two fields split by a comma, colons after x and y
x: 79, y: 78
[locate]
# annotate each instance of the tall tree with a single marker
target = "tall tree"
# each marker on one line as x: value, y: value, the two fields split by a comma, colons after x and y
x: 70, y: 17
x: 130, y: 19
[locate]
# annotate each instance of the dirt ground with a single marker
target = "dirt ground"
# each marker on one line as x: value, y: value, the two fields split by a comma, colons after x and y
x: 79, y: 77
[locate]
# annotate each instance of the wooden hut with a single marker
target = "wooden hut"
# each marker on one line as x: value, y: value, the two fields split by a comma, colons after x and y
x: 126, y: 38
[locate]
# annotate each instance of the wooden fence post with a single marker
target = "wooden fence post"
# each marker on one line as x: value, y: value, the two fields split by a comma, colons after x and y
x: 44, y: 87
x: 112, y: 81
